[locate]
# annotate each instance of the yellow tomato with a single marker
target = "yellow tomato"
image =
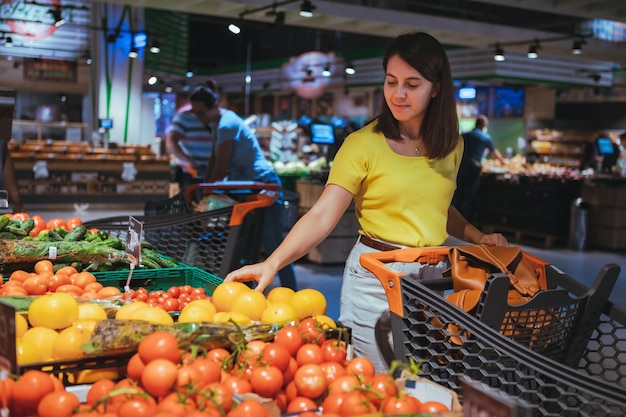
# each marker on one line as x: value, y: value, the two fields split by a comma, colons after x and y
x: 280, y: 295
x: 239, y: 319
x: 68, y: 345
x: 279, y: 313
x: 54, y: 311
x: 226, y: 292
x: 196, y: 313
x: 27, y: 352
x: 250, y: 303
x: 86, y: 326
x: 91, y: 311
x: 43, y: 338
x: 153, y: 315
x: 127, y: 309
x: 21, y: 325
x: 308, y: 303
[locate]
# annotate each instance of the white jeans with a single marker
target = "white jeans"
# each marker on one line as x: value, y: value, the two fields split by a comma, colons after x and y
x: 363, y: 300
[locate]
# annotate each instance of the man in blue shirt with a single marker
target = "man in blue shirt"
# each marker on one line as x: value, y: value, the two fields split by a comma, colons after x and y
x: 477, y: 141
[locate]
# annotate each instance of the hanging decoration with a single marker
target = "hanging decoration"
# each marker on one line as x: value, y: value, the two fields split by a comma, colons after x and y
x: 311, y: 73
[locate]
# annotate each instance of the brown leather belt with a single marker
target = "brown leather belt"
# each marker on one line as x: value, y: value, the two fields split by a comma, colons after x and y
x: 376, y: 244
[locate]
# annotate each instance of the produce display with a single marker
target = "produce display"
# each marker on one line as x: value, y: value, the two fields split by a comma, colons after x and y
x: 26, y: 239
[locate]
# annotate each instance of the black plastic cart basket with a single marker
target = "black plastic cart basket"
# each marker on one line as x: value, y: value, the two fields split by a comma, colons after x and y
x: 218, y: 240
x: 577, y: 369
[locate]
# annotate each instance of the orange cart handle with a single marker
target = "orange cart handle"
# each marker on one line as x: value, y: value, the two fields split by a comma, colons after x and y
x: 229, y: 185
x: 259, y: 200
x: 389, y: 279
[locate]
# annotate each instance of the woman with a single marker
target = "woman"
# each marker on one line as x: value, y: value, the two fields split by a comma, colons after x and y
x: 400, y: 169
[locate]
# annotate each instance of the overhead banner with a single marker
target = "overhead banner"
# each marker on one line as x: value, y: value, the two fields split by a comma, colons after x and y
x: 40, y: 69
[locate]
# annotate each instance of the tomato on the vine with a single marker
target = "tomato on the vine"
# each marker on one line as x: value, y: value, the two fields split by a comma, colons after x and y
x: 30, y: 388
x: 159, y: 376
x: 334, y: 350
x: 266, y: 381
x: 58, y: 404
x: 249, y: 408
x: 433, y: 407
x: 137, y: 407
x: 355, y: 403
x: 311, y: 331
x: 361, y: 366
x: 290, y: 337
x: 238, y: 385
x: 333, y: 370
x: 98, y: 390
x: 344, y: 384
x: 276, y: 355
x: 309, y: 353
x: 310, y: 381
x: 382, y: 386
x: 401, y: 404
x: 210, y: 371
x: 289, y: 373
x: 159, y: 345
x: 332, y: 402
x: 300, y: 404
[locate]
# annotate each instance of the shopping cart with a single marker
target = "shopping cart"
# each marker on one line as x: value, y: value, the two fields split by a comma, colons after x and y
x: 578, y: 370
x: 218, y: 240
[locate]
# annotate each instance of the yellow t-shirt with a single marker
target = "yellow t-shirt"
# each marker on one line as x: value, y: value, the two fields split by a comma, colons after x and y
x: 398, y: 199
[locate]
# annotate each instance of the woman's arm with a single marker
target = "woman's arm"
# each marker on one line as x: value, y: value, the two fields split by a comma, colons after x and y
x: 308, y: 232
x: 461, y: 229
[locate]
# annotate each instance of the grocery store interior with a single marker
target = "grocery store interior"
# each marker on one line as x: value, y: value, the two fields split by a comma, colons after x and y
x: 95, y: 84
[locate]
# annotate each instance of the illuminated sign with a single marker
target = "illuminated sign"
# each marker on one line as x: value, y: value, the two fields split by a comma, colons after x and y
x: 39, y: 69
x: 607, y: 30
x: 32, y: 20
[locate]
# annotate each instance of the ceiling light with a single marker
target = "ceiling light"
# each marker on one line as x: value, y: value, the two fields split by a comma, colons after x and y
x: 133, y: 53
x: 498, y: 54
x: 577, y: 47
x: 326, y: 71
x: 532, y: 50
x: 154, y: 47
x: 306, y: 9
x: 9, y: 42
x: 234, y: 28
x: 152, y: 80
x: 189, y: 73
x: 350, y: 69
x: 168, y: 88
x: 57, y: 16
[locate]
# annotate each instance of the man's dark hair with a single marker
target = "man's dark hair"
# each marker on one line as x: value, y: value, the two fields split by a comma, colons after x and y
x: 204, y: 95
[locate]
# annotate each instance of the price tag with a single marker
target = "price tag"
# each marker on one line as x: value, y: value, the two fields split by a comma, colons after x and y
x: 8, y: 356
x: 133, y: 240
x: 133, y: 251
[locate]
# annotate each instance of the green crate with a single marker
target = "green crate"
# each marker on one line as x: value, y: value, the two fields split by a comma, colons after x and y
x: 161, y: 279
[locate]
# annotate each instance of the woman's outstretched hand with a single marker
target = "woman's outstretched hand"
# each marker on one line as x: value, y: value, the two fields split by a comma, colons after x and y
x: 261, y: 272
x: 493, y: 239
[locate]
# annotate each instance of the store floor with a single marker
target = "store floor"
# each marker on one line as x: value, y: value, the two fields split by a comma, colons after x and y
x: 583, y: 266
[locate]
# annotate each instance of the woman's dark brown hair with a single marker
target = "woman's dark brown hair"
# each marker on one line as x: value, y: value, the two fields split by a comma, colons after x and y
x: 440, y: 128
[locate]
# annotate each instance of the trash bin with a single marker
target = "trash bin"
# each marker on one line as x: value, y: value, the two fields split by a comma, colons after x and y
x: 579, y: 212
x: 291, y: 203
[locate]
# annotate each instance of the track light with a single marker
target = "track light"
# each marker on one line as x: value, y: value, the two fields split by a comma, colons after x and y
x: 498, y: 54
x: 326, y: 71
x: 155, y: 48
x: 234, y: 28
x: 189, y: 73
x: 532, y: 50
x: 133, y: 53
x: 577, y: 47
x: 152, y: 80
x: 9, y: 42
x: 57, y: 16
x: 349, y: 69
x: 306, y: 8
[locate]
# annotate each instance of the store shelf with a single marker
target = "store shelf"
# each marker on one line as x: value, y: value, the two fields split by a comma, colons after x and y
x: 40, y: 131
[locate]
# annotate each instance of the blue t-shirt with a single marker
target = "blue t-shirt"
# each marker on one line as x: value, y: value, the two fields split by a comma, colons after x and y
x: 247, y: 162
x: 476, y: 142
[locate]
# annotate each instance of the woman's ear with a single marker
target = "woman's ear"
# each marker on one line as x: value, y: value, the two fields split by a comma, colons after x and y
x: 435, y: 91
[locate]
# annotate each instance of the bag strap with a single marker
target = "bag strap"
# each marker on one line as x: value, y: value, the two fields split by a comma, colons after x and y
x: 504, y: 269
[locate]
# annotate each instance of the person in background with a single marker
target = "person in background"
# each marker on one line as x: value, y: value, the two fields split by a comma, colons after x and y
x: 400, y: 171
x: 476, y: 141
x: 190, y: 137
x: 238, y: 157
x: 8, y: 181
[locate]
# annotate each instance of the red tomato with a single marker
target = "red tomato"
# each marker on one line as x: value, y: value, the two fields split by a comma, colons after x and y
x: 159, y: 376
x: 401, y: 404
x: 355, y: 403
x: 221, y: 395
x: 209, y: 370
x: 309, y: 353
x: 311, y: 331
x: 433, y: 407
x: 30, y: 388
x: 137, y: 407
x: 173, y: 292
x: 290, y: 371
x: 289, y: 336
x: 72, y: 222
x: 218, y: 355
x: 333, y: 370
x: 334, y: 350
x: 175, y: 404
x: 300, y: 404
x: 135, y: 367
x: 310, y: 381
x: 344, y: 384
x: 6, y: 392
x: 249, y: 408
x: 382, y: 386
x: 266, y: 381
x: 276, y: 355
x: 98, y: 390
x: 58, y: 404
x: 159, y: 345
x: 55, y: 224
x: 238, y: 385
x: 361, y: 366
x: 332, y: 402
x: 188, y: 377
x: 171, y: 304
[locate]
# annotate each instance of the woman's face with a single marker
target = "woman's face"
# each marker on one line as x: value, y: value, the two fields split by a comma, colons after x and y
x: 407, y: 93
